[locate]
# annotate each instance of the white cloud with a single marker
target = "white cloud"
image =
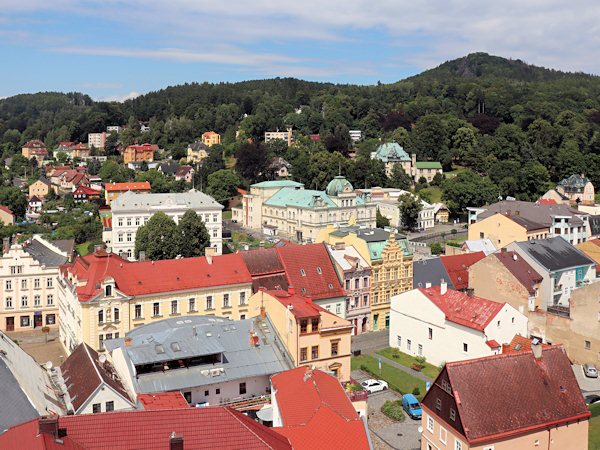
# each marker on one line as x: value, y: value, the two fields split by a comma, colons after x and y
x: 120, y: 98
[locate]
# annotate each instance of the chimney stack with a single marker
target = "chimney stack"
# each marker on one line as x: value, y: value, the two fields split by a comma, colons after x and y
x: 98, y: 248
x: 291, y: 290
x: 209, y: 252
x: 142, y: 256
x: 176, y: 442
x: 48, y: 425
x: 470, y: 292
x: 537, y: 351
x: 263, y: 314
x: 127, y: 342
x: 443, y: 287
x: 427, y: 285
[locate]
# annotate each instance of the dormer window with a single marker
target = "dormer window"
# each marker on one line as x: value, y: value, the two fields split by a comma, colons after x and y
x: 108, y: 290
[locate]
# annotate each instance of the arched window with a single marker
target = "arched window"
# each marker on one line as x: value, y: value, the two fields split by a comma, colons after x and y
x: 108, y: 290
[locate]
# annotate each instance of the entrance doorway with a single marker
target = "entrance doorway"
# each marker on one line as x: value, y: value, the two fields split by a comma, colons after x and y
x: 10, y: 324
x: 37, y: 321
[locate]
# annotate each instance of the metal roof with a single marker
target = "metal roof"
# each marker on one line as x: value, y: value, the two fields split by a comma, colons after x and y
x: 555, y: 253
x: 43, y: 254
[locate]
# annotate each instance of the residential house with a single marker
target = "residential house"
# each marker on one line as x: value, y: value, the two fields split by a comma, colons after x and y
x: 520, y: 400
x: 457, y: 267
x: 34, y: 148
x: 309, y: 402
x: 80, y: 151
x: 103, y: 296
x: 92, y: 384
x: 28, y: 283
x: 592, y: 249
x: 266, y: 269
x: 211, y: 138
x: 210, y: 360
x: 387, y: 201
x: 70, y: 180
x: 197, y: 151
x: 35, y: 204
x: 97, y: 140
x: 355, y: 273
x: 185, y: 173
x: 312, y: 335
x: 26, y: 390
x: 168, y: 168
x: 441, y: 212
x: 355, y: 135
x: 578, y: 189
x: 64, y: 147
x: 131, y: 210
x: 158, y: 429
x: 41, y: 188
x: 280, y: 168
x: 391, y: 153
x: 114, y: 190
x: 116, y: 128
x: 563, y: 268
x: 138, y: 153
x: 7, y: 217
x: 447, y: 325
x: 283, y: 135
x: 85, y: 194
x: 511, y: 220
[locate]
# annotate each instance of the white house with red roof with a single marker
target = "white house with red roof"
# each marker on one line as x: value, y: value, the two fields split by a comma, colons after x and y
x: 444, y: 325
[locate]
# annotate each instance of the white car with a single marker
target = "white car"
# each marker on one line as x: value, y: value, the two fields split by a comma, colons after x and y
x: 374, y: 385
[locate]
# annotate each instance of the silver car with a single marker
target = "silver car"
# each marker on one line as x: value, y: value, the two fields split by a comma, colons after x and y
x: 590, y: 371
x: 374, y: 385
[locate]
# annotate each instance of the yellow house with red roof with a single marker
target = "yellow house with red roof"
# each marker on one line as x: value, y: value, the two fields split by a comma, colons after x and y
x: 312, y: 335
x: 211, y: 138
x: 101, y: 296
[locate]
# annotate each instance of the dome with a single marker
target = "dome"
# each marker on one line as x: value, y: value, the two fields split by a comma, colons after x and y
x: 391, y: 152
x: 338, y: 185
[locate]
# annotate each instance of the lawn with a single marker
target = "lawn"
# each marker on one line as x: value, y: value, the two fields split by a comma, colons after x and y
x: 594, y: 433
x: 82, y: 249
x: 226, y: 215
x: 430, y: 370
x: 434, y: 192
x: 397, y: 379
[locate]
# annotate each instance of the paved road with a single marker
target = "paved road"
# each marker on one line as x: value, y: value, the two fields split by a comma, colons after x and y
x: 589, y: 386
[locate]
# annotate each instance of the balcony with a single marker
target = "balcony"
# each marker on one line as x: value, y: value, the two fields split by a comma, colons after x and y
x: 561, y: 311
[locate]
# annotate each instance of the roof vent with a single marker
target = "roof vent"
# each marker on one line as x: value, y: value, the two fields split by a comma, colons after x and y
x: 515, y: 257
x: 518, y: 347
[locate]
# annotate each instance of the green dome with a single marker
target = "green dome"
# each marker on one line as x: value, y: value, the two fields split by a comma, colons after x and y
x: 337, y: 186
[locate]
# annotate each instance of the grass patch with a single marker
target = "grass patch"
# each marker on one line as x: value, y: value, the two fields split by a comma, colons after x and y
x: 393, y: 409
x: 82, y: 249
x: 396, y: 355
x: 227, y: 215
x: 434, y: 193
x: 594, y: 433
x: 397, y: 379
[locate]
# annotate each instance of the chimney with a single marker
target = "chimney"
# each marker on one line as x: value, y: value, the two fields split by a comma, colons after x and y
x: 209, y: 252
x: 428, y: 285
x: 470, y: 292
x: 48, y: 425
x: 127, y: 342
x: 537, y: 351
x: 503, y: 250
x: 98, y: 248
x: 308, y: 298
x: 291, y: 290
x: 142, y: 256
x: 263, y: 314
x: 443, y: 287
x: 176, y: 442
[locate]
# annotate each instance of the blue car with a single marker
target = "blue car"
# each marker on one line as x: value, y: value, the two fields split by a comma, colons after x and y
x: 411, y: 405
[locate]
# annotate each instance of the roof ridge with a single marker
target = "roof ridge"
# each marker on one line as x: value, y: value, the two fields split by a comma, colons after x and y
x: 86, y: 347
x: 245, y: 426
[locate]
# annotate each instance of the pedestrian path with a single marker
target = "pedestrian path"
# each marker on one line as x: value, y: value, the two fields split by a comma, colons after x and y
x: 408, y: 370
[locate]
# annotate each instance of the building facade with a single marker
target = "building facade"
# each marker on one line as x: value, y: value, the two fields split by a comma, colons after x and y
x: 138, y: 153
x: 211, y: 138
x: 196, y: 152
x: 283, y: 135
x: 391, y: 154
x: 113, y: 190
x: 97, y: 140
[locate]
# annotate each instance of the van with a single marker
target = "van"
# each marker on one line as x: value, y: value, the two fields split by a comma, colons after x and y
x: 411, y: 405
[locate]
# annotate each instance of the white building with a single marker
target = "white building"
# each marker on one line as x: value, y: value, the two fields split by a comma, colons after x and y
x: 97, y: 140
x: 387, y: 201
x: 355, y: 135
x: 131, y: 210
x: 445, y: 325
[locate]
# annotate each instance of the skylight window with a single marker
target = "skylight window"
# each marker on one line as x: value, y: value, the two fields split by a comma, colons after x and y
x: 159, y: 348
x: 319, y: 270
x: 303, y: 272
x: 330, y: 286
x: 175, y: 346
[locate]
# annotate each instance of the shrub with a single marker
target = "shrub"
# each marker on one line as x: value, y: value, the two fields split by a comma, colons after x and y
x: 436, y: 248
x: 395, y: 353
x: 454, y: 243
x: 420, y: 359
x: 453, y: 231
x: 355, y: 387
x: 416, y: 392
x: 393, y: 410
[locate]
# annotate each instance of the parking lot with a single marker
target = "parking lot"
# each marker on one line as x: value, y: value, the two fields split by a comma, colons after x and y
x: 386, y: 433
x: 586, y: 384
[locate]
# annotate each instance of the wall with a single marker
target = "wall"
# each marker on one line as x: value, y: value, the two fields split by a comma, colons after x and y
x: 102, y: 395
x: 500, y: 229
x: 229, y: 390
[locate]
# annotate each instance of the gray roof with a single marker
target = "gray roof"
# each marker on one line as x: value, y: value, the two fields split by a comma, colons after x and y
x: 201, y: 335
x: 168, y: 167
x: 199, y: 145
x: 430, y: 271
x: 366, y: 234
x: 531, y: 215
x: 555, y: 253
x: 43, y: 253
x: 575, y: 183
x: 192, y: 199
x: 16, y: 407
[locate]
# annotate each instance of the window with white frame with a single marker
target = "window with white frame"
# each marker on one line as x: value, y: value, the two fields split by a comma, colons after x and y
x: 138, y: 312
x: 24, y: 301
x: 9, y: 302
x: 50, y: 299
x: 452, y: 414
x: 120, y: 221
x: 192, y: 305
x: 23, y: 284
x: 430, y: 424
x: 49, y: 282
x: 226, y: 301
x: 408, y: 344
x: 101, y: 341
x: 36, y: 283
x: 129, y: 221
x: 120, y: 237
x: 129, y: 237
x: 37, y: 300
x: 457, y: 444
x: 8, y: 285
x: 242, y: 298
x: 116, y: 314
x: 101, y: 316
x: 174, y: 307
x: 156, y: 309
x: 214, y: 233
x: 209, y: 302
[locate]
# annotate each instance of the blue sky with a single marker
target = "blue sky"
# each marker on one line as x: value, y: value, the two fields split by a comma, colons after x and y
x: 113, y: 49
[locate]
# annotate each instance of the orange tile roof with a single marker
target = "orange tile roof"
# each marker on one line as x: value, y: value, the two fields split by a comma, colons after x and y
x: 6, y: 210
x: 140, y: 185
x: 163, y: 400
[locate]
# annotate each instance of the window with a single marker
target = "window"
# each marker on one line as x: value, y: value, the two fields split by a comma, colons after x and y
x: 13, y: 270
x: 156, y: 309
x: 137, y: 221
x: 465, y: 347
x: 457, y: 444
x: 242, y: 316
x: 137, y: 312
x: 101, y: 341
x: 50, y: 319
x: 209, y: 302
x: 174, y: 307
x: 338, y: 308
x: 214, y: 233
x: 9, y: 302
x: 303, y: 326
x: 387, y: 320
x: 365, y: 281
x: 108, y: 290
x: 430, y: 424
x: 347, y: 285
x: 443, y: 434
x: 128, y: 237
x: 491, y: 447
x: 314, y: 324
x: 242, y: 388
x: 129, y: 221
x: 8, y: 285
x: 24, y: 301
x: 215, y: 218
x: 399, y: 341
x: 49, y: 282
x: 314, y: 352
x: 120, y: 222
x: 438, y: 404
x: 430, y: 333
x: 226, y: 301
x: 319, y: 271
x: 37, y: 300
x: 101, y: 316
x: 50, y: 299
x: 420, y: 349
x: 206, y: 393
x: 217, y: 391
x: 23, y: 284
x: 303, y: 272
x: 96, y: 408
x: 357, y: 283
x: 192, y: 305
x: 408, y: 342
x: 242, y: 298
x: 24, y: 321
x: 36, y: 283
x: 588, y: 345
x: 116, y: 315
x: 108, y: 336
x: 334, y: 349
x: 303, y: 354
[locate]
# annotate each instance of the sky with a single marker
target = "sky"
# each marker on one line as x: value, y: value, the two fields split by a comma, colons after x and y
x: 118, y: 49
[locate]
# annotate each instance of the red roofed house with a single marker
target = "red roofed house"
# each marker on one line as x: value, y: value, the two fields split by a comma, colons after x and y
x: 457, y: 267
x: 7, y: 217
x: 138, y: 153
x: 312, y: 410
x: 185, y: 173
x: 81, y: 151
x: 102, y: 296
x: 162, y: 400
x: 523, y: 400
x: 32, y: 148
x: 191, y: 428
x: 113, y: 190
x: 85, y: 194
x: 312, y: 335
x: 447, y: 325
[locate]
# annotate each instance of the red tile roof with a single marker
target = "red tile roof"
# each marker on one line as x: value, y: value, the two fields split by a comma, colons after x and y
x: 310, y: 270
x: 316, y: 412
x: 519, y: 344
x: 140, y: 185
x: 493, y: 344
x: 522, y: 271
x: 140, y: 148
x: 35, y: 144
x: 163, y: 400
x: 302, y: 307
x: 85, y: 190
x: 505, y: 395
x: 210, y: 427
x: 149, y: 277
x: 473, y: 312
x: 80, y: 147
x: 547, y: 201
x: 6, y: 210
x: 457, y: 267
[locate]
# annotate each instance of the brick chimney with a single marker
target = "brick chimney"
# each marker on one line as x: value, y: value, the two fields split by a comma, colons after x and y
x: 48, y: 425
x: 209, y: 252
x: 176, y: 441
x: 263, y: 313
x: 291, y: 290
x: 537, y: 351
x: 127, y: 342
x: 470, y: 292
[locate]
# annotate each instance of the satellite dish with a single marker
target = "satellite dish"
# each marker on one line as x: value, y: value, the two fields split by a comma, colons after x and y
x: 48, y: 365
x: 102, y: 359
x: 420, y: 429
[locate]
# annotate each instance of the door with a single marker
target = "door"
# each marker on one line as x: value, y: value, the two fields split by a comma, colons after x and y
x: 10, y: 324
x: 37, y: 320
x: 375, y: 321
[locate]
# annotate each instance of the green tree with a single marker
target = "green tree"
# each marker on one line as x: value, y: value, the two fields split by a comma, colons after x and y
x: 194, y: 236
x: 436, y: 248
x: 15, y: 200
x: 252, y: 161
x: 409, y: 207
x: 110, y: 172
x: 69, y: 202
x: 437, y: 179
x: 468, y: 189
x: 222, y: 185
x: 399, y: 178
x: 380, y: 220
x: 160, y: 238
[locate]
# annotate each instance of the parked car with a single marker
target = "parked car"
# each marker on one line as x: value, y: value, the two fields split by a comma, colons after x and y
x: 590, y: 371
x: 411, y: 405
x: 374, y: 385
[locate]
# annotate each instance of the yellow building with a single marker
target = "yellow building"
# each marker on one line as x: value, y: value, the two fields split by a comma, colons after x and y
x: 211, y: 138
x: 41, y: 188
x: 102, y: 296
x: 113, y: 190
x: 196, y: 152
x: 503, y: 229
x: 389, y: 255
x: 311, y: 334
